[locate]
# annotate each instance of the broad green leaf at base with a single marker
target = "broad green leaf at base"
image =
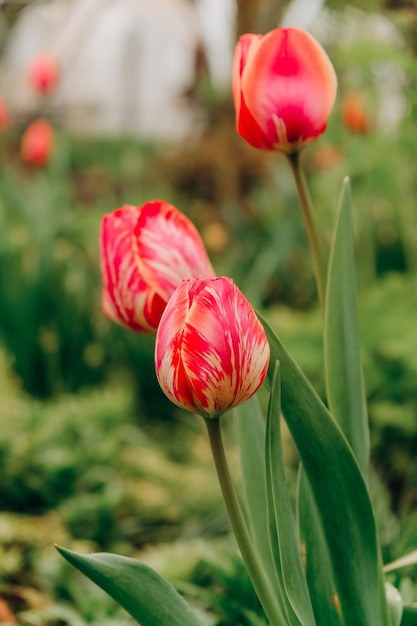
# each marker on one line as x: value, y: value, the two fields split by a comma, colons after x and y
x: 141, y: 591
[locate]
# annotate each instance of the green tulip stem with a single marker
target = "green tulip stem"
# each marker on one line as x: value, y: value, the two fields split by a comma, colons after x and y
x: 308, y: 215
x: 255, y: 571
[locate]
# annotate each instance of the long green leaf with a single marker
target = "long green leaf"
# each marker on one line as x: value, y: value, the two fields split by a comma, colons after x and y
x: 149, y: 599
x: 250, y: 427
x: 409, y: 616
x: 343, y: 380
x: 290, y: 565
x: 340, y: 493
x: 343, y: 370
x: 319, y: 568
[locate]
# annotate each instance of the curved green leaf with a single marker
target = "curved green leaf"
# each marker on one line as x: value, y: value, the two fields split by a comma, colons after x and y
x: 319, y: 568
x: 343, y: 370
x: 250, y: 427
x: 409, y: 616
x: 282, y: 527
x: 143, y: 593
x: 340, y: 493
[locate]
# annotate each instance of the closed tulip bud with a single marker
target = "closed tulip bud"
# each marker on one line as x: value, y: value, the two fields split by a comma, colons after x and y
x: 211, y: 351
x: 37, y: 143
x: 353, y: 113
x: 44, y: 73
x: 4, y: 116
x: 284, y: 88
x: 145, y: 253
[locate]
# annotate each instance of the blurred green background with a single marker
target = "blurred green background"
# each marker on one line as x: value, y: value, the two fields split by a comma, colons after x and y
x: 92, y: 455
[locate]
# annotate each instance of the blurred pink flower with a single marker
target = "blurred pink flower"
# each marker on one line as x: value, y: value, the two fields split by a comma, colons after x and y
x: 284, y: 88
x: 145, y: 253
x: 44, y: 73
x: 211, y: 351
x: 37, y: 143
x: 4, y: 116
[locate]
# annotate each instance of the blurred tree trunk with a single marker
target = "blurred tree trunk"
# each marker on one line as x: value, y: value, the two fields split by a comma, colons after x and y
x: 400, y: 4
x: 258, y: 16
x: 270, y: 14
x: 9, y: 13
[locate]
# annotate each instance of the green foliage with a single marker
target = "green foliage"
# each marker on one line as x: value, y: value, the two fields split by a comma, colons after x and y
x: 250, y: 429
x: 367, y: 5
x: 212, y: 575
x: 221, y: 583
x: 86, y: 456
x: 283, y: 532
x: 74, y: 462
x: 340, y: 493
x: 343, y: 370
x: 149, y: 598
x: 48, y: 277
x: 388, y: 336
x: 50, y: 284
x: 379, y: 161
x: 50, y: 453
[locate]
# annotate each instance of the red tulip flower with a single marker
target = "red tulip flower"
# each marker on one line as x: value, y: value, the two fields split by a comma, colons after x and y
x: 37, y: 143
x: 211, y: 351
x: 4, y: 116
x: 145, y: 253
x: 44, y: 73
x: 284, y: 88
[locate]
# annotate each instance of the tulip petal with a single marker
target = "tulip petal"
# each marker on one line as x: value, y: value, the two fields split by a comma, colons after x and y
x: 211, y: 351
x: 127, y: 298
x: 225, y: 351
x: 246, y: 125
x: 169, y: 247
x: 289, y: 86
x: 168, y: 347
x: 145, y: 253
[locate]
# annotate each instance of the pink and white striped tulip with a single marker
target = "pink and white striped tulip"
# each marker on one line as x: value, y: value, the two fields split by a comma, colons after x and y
x: 145, y: 253
x: 284, y: 88
x: 211, y: 351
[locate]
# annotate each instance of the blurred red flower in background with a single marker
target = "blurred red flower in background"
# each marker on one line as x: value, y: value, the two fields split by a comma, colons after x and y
x: 44, y: 73
x: 37, y: 143
x: 4, y: 115
x: 353, y: 112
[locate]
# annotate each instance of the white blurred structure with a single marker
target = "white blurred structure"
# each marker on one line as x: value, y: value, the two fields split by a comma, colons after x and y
x: 216, y: 20
x: 127, y: 65
x: 301, y: 13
